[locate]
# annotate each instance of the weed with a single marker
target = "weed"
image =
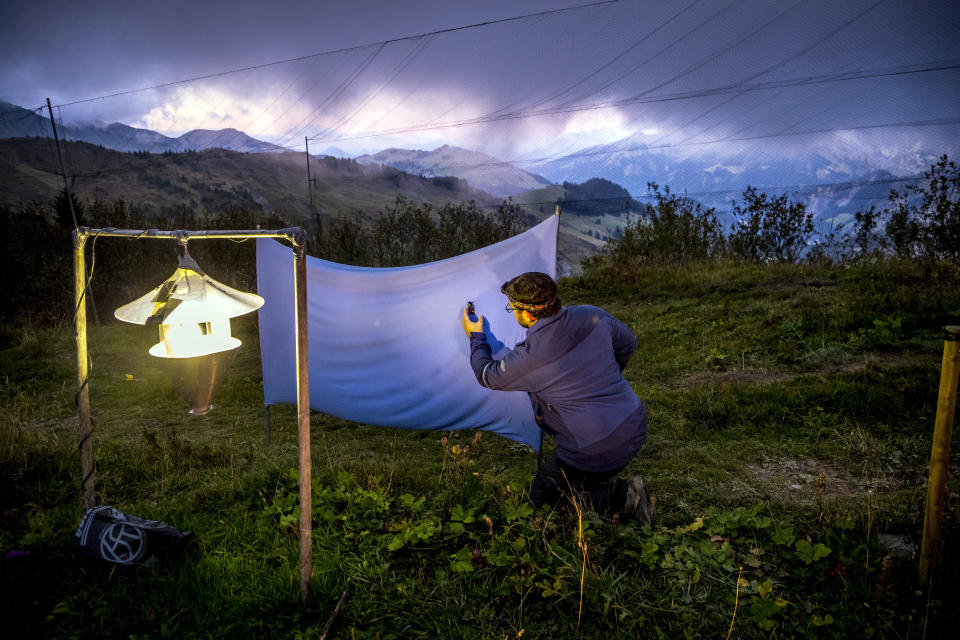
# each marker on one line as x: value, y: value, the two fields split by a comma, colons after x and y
x: 758, y: 380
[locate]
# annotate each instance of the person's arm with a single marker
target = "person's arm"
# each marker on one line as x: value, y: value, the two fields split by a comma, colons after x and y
x: 624, y: 342
x: 500, y: 375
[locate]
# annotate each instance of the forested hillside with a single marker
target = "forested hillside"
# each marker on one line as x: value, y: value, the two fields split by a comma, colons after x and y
x: 210, y: 181
x: 171, y: 188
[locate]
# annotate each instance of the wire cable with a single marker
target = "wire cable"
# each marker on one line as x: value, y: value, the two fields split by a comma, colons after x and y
x: 337, y: 92
x: 403, y: 64
x: 946, y: 65
x: 218, y: 74
x: 781, y: 63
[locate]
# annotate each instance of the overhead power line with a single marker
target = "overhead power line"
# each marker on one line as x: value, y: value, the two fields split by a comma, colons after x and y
x: 335, y: 94
x: 734, y: 88
x: 22, y: 110
x: 743, y: 81
x: 609, y: 150
x: 218, y: 74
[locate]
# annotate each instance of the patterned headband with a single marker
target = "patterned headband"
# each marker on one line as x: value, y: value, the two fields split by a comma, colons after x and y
x: 532, y: 307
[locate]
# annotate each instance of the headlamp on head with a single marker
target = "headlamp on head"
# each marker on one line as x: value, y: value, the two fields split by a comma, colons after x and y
x: 534, y: 292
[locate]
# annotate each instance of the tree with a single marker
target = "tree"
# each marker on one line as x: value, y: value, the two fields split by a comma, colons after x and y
x: 596, y: 197
x: 37, y: 265
x: 924, y: 221
x: 672, y: 229
x: 770, y: 229
x: 865, y: 240
x: 62, y: 212
x: 410, y: 233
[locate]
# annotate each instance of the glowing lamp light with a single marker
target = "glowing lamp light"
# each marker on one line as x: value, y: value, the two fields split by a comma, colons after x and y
x: 192, y: 311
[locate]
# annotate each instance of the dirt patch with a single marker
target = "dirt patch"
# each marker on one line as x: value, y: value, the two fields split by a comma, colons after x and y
x: 806, y: 479
x: 735, y: 376
x: 767, y: 376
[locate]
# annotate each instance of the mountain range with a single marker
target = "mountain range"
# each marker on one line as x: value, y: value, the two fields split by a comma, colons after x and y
x: 485, y: 172
x: 216, y: 179
x: 835, y: 183
x: 17, y: 122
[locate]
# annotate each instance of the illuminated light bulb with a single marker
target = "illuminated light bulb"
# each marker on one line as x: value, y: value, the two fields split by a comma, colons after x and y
x: 192, y: 312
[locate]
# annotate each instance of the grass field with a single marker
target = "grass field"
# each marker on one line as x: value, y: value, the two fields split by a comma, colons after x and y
x: 791, y: 412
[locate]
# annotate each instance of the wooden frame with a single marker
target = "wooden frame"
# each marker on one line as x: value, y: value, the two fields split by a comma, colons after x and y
x: 296, y: 237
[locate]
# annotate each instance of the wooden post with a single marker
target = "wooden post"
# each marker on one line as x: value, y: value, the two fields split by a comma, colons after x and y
x: 306, y: 146
x: 63, y: 168
x: 303, y: 415
x: 940, y: 455
x: 85, y: 424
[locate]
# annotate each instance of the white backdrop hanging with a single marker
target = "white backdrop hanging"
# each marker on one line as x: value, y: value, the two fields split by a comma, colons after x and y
x: 386, y: 345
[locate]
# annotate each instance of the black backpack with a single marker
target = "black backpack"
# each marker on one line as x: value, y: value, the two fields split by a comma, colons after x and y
x: 111, y: 535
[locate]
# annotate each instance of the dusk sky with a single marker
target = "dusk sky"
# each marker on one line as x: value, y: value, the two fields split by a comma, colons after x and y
x: 872, y: 77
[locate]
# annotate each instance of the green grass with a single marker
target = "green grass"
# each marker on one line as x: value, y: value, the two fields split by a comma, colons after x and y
x: 791, y: 412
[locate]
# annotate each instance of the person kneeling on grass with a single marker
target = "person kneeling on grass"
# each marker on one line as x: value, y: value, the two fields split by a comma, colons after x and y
x: 571, y: 364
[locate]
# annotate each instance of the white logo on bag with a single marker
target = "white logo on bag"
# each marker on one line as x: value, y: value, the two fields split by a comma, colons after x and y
x: 121, y: 543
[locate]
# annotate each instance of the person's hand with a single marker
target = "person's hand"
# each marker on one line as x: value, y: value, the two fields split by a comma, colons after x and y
x: 471, y: 326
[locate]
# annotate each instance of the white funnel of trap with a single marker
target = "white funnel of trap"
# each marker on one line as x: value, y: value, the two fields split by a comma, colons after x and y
x: 192, y: 312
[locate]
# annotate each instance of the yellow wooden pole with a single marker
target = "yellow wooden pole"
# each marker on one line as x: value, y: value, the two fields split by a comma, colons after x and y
x: 940, y: 455
x: 303, y: 415
x: 85, y: 424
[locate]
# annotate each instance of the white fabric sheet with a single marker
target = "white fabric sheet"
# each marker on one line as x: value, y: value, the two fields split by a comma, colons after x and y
x: 386, y: 345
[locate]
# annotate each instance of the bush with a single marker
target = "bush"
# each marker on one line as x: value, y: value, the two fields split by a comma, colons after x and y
x: 676, y: 229
x: 410, y: 233
x: 770, y: 229
x: 924, y: 222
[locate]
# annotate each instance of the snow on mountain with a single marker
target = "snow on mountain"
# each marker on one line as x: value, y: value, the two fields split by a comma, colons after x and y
x: 834, y: 182
x: 838, y: 177
x: 16, y: 122
x: 222, y: 139
x: 482, y: 171
x: 336, y: 152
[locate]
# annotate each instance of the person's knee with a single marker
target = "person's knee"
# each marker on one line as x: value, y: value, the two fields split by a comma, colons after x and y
x: 545, y: 492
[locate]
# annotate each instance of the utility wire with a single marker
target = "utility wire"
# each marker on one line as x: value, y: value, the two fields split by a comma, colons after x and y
x: 571, y: 31
x: 709, y: 20
x: 218, y: 74
x: 641, y: 147
x: 749, y: 33
x: 778, y: 65
x: 411, y: 55
x: 736, y: 89
x: 23, y: 110
x: 248, y: 124
x: 946, y: 65
x: 609, y: 63
x: 743, y: 37
x: 334, y: 95
x: 300, y: 98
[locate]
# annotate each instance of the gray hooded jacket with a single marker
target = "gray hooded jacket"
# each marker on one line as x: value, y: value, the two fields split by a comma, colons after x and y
x: 570, y: 364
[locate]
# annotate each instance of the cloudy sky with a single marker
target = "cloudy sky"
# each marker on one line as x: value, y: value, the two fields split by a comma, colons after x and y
x: 875, y: 77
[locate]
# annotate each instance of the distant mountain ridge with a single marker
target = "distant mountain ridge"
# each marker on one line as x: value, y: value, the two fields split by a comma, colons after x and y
x: 20, y: 123
x: 494, y: 176
x: 630, y: 163
x: 216, y: 180
x: 833, y: 185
